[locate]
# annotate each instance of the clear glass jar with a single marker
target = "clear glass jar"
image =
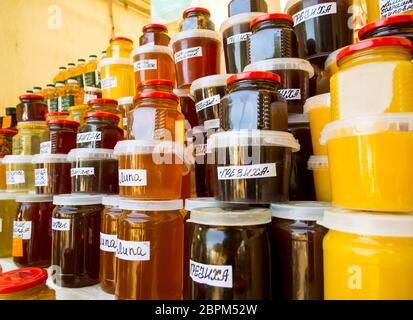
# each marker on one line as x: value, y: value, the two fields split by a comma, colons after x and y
x: 75, y: 240
x: 76, y: 113
x: 25, y: 284
x: 6, y: 142
x: 27, y: 141
x: 159, y: 85
x: 107, y: 105
x: 253, y: 102
x: 156, y: 116
x: 154, y: 34
x: 108, y: 242
x: 32, y: 239
x: 119, y: 47
x: 196, y: 18
x: 150, y: 237
x: 31, y: 108
x: 101, y: 130
x: 19, y: 173
x: 62, y: 135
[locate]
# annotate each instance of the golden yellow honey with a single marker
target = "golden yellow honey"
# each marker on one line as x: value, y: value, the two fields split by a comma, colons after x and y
x: 368, y: 256
x: 19, y: 173
x: 321, y: 173
x: 370, y: 161
x: 373, y: 9
x: 319, y: 113
x: 372, y: 81
x: 117, y: 78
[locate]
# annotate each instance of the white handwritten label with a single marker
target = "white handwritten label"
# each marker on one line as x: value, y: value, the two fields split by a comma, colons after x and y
x: 188, y: 54
x: 87, y: 171
x: 22, y: 229
x: 41, y: 179
x: 211, y: 124
x: 89, y: 137
x: 392, y: 7
x: 89, y: 97
x: 200, y: 150
x: 315, y: 11
x: 141, y: 65
x: 15, y: 177
x: 108, y: 83
x: 291, y: 94
x: 241, y: 37
x: 61, y: 224
x: 46, y: 147
x: 212, y: 275
x: 132, y: 178
x: 108, y: 242
x: 208, y: 102
x: 133, y: 250
x: 255, y: 171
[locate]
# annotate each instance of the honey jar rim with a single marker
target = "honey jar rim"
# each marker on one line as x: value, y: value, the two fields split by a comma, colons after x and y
x: 207, y: 202
x: 17, y: 159
x: 30, y: 97
x: 300, y: 210
x: 154, y: 26
x: 272, y: 16
x: 197, y: 33
x: 49, y: 158
x: 240, y: 18
x: 114, y: 61
x: 151, y: 205
x: 39, y: 276
x: 282, y: 64
x: 252, y: 75
x: 154, y: 82
x: 152, y: 48
x: 401, y: 18
x: 318, y: 101
x: 77, y: 199
x: 216, y: 80
x: 195, y: 9
x: 34, y: 198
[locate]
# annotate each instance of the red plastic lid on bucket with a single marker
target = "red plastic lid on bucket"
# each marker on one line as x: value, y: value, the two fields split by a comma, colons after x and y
x: 21, y: 279
x: 253, y: 75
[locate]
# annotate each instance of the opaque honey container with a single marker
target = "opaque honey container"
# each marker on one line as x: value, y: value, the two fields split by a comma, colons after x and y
x: 367, y: 256
x: 321, y: 173
x: 370, y: 160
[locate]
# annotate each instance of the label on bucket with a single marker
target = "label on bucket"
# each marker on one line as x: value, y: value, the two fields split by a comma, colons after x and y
x: 290, y: 94
x: 108, y: 242
x: 15, y: 177
x: 132, y: 178
x: 212, y: 275
x: 22, y: 229
x: 392, y: 7
x: 109, y: 83
x: 208, y: 102
x: 89, y: 137
x: 46, y: 147
x: 74, y: 172
x: 151, y: 64
x: 61, y: 224
x: 255, y: 171
x: 188, y: 53
x: 133, y: 250
x: 41, y: 179
x: 241, y: 37
x: 315, y: 11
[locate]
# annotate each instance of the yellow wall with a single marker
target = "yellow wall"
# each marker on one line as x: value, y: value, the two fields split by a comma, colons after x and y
x: 31, y: 52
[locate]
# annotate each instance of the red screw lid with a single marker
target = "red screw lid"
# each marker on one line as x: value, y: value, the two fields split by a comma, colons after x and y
x: 155, y: 82
x: 120, y: 38
x: 21, y: 279
x: 99, y: 114
x: 102, y: 101
x: 55, y: 114
x: 156, y: 95
x: 195, y: 9
x: 272, y: 16
x: 155, y: 26
x: 64, y: 121
x: 8, y: 131
x: 31, y: 97
x: 253, y: 75
x: 374, y: 43
x: 403, y: 18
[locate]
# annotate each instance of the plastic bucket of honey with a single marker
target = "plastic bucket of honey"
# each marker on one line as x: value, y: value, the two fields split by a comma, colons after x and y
x: 321, y: 173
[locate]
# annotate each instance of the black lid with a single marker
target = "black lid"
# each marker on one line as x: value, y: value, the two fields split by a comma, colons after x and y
x: 242, y: 6
x: 11, y: 111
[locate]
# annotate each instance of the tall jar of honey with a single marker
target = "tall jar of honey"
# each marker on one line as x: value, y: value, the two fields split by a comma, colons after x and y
x: 120, y: 47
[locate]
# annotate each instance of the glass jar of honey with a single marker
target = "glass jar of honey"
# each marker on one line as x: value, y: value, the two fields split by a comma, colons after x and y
x: 52, y: 174
x: 150, y: 250
x: 119, y: 47
x: 76, y: 113
x: 19, y: 173
x: 31, y: 108
x: 154, y: 34
x: 31, y: 134
x: 62, y: 135
x: 25, y: 284
x: 196, y: 18
x: 6, y: 142
x: 56, y: 115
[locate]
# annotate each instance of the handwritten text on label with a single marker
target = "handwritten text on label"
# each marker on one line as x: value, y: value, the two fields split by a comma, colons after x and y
x: 213, y: 275
x: 265, y: 170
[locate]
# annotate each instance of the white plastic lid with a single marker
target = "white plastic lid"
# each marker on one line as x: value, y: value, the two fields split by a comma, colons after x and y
x: 386, y: 122
x: 244, y: 138
x: 50, y: 158
x: 146, y: 205
x: 111, y: 61
x: 125, y: 100
x: 331, y: 59
x: 198, y: 33
x: 92, y: 89
x: 112, y: 201
x: 29, y: 197
x: 282, y: 64
x: 368, y: 223
x: 151, y: 48
x: 217, y: 80
x: 239, y: 19
x: 196, y: 203
x: 11, y: 159
x: 72, y: 81
x: 300, y: 210
x: 317, y: 162
x: 25, y: 123
x: 9, y: 195
x: 322, y: 100
x: 59, y: 84
x: 90, y: 154
x: 126, y: 147
x: 298, y: 118
x: 77, y: 199
x: 230, y: 216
